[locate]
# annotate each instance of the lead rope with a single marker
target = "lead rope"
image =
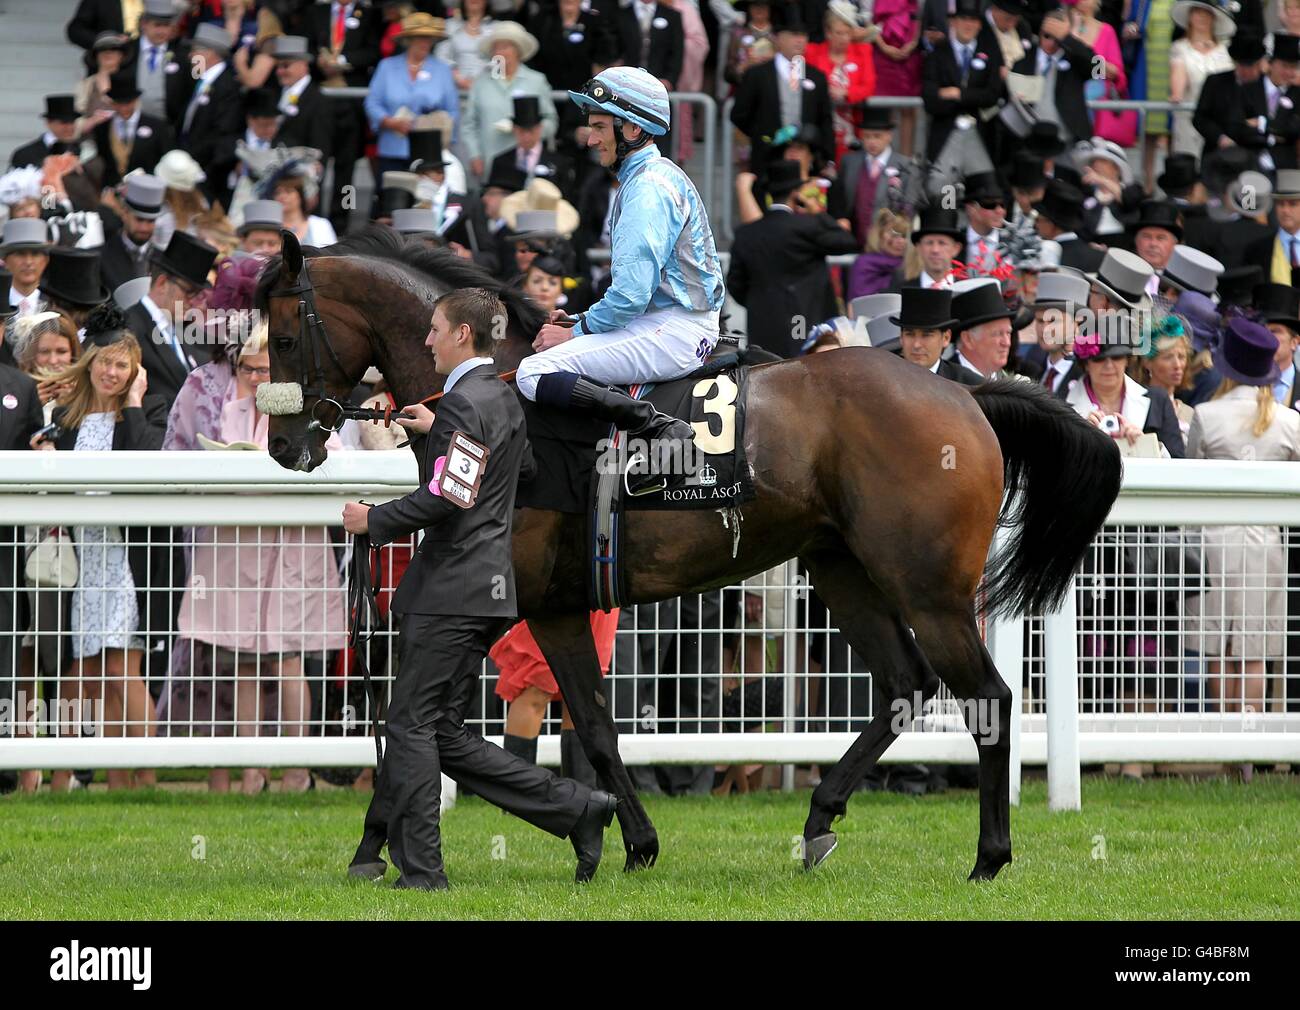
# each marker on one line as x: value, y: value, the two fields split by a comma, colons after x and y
x: 363, y: 587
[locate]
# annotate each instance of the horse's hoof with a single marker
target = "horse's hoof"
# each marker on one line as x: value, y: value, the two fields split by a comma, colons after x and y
x: 815, y: 850
x: 641, y: 856
x: 987, y: 869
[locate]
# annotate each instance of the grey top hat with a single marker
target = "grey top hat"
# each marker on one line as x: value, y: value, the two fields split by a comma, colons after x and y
x: 210, y: 36
x: 1062, y: 290
x: 870, y: 306
x: 1288, y: 184
x: 143, y: 195
x: 290, y: 47
x: 129, y: 295
x: 1190, y: 269
x: 1251, y: 193
x: 536, y: 222
x: 413, y: 221
x: 1123, y: 277
x: 883, y: 334
x: 263, y: 214
x: 25, y: 233
x: 165, y: 9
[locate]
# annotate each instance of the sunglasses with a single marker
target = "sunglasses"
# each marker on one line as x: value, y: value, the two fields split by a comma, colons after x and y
x: 992, y: 204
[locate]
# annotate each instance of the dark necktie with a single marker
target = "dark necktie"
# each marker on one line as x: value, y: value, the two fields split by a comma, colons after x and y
x: 153, y: 59
x: 965, y: 63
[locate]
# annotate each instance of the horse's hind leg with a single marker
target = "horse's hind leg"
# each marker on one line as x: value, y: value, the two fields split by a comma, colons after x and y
x: 569, y: 648
x: 949, y: 637
x: 899, y: 672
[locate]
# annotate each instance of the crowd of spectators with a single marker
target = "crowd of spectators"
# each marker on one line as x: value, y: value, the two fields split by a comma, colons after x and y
x: 1140, y: 268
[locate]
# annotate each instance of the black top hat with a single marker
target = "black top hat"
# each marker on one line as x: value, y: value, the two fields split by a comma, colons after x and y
x: 1062, y: 204
x: 981, y: 304
x: 1279, y: 303
x: 505, y: 175
x: 1180, y: 174
x: 983, y: 186
x: 72, y: 276
x: 1160, y: 214
x: 61, y: 108
x: 925, y: 309
x: 966, y: 9
x: 426, y: 149
x: 783, y: 176
x: 6, y: 310
x: 1247, y: 46
x: 392, y: 199
x: 1017, y: 7
x: 1220, y: 167
x: 938, y: 221
x: 527, y: 111
x: 1247, y: 353
x: 187, y: 258
x: 1027, y: 172
x: 264, y: 103
x: 123, y: 88
x: 1044, y: 140
x: 875, y: 118
x: 788, y: 17
x: 1237, y: 284
x: 1286, y: 48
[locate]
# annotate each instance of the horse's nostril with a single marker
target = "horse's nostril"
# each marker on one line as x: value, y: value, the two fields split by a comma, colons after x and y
x: 278, y: 446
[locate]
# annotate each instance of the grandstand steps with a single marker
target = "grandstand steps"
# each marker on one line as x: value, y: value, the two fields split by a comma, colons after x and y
x: 36, y: 59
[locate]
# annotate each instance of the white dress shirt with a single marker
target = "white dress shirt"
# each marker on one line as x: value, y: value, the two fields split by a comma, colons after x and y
x: 166, y: 329
x: 971, y: 365
x: 461, y: 369
x: 26, y: 304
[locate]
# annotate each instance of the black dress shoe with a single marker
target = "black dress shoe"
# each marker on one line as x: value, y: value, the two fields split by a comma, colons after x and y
x: 588, y: 835
x: 436, y: 884
x: 372, y: 871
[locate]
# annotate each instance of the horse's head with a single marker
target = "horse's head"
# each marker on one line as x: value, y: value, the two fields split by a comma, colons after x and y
x: 313, y: 369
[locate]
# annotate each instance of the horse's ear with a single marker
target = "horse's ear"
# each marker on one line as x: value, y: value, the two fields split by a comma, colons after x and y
x: 290, y: 253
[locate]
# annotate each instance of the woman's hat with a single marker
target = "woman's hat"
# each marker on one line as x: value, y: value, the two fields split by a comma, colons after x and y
x: 509, y: 31
x: 105, y: 325
x: 73, y: 277
x: 541, y: 194
x: 187, y: 258
x: 1100, y: 149
x: 846, y: 12
x: 1123, y: 277
x: 1202, y: 316
x: 979, y: 301
x: 1111, y: 335
x: 1279, y: 303
x: 1190, y: 269
x: 110, y: 40
x: 179, y: 171
x: 426, y: 150
x: 548, y: 265
x: 925, y: 309
x: 1061, y: 204
x: 1063, y: 290
x: 938, y: 221
x: 1160, y: 214
x: 1181, y: 174
x: 25, y: 233
x: 422, y: 26
x: 1247, y: 354
x: 143, y: 195
x: 60, y: 108
x: 1224, y: 26
x: 783, y: 176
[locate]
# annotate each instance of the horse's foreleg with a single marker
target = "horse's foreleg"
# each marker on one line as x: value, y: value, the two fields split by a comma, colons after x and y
x: 567, y: 643
x: 900, y: 676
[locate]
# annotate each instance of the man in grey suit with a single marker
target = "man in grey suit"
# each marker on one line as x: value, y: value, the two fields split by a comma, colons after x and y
x: 875, y: 176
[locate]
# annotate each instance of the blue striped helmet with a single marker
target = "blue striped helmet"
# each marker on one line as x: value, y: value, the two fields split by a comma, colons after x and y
x: 629, y: 93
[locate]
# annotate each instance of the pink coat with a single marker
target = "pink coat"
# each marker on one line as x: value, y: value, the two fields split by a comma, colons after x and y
x: 263, y: 589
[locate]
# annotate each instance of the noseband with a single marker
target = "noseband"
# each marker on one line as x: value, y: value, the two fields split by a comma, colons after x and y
x: 327, y: 413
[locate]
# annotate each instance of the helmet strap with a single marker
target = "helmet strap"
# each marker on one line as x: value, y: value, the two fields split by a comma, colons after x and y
x: 624, y: 147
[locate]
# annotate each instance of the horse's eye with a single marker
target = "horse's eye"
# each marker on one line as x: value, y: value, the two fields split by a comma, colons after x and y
x: 282, y: 343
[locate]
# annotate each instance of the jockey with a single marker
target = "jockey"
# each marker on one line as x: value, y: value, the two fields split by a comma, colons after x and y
x: 659, y: 319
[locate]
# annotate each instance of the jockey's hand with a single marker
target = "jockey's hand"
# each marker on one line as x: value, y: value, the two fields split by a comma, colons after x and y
x: 356, y: 518
x: 555, y: 315
x: 550, y: 335
x: 420, y: 421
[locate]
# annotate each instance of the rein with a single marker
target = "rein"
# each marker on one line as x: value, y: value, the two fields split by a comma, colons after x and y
x: 363, y: 605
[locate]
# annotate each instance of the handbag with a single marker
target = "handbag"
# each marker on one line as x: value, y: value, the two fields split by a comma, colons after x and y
x: 52, y: 562
x: 1120, y: 127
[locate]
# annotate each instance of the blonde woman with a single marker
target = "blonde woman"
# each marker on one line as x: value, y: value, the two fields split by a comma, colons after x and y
x: 1198, y: 54
x: 183, y: 204
x: 1166, y: 366
x: 1243, y: 611
x: 107, y: 408
x: 886, y: 252
x: 264, y: 597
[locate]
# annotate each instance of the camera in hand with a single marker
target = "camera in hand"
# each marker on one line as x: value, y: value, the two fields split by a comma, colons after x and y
x: 52, y: 432
x: 1110, y: 424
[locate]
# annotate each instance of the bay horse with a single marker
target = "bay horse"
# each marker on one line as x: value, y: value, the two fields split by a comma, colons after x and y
x: 885, y: 480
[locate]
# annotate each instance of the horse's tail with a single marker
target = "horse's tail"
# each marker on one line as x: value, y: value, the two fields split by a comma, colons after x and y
x: 1062, y: 475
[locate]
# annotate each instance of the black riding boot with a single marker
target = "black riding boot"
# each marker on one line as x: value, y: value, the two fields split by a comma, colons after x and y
x: 574, y: 763
x: 636, y: 417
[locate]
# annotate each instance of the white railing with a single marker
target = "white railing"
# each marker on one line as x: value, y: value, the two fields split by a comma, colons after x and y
x: 678, y: 695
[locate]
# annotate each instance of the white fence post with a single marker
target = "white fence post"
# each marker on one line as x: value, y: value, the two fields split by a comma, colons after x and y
x: 1061, y: 646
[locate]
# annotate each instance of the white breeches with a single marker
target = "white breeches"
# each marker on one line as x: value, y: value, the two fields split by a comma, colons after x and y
x: 659, y: 346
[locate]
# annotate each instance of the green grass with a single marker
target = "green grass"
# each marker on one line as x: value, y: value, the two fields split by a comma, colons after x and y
x: 1174, y: 849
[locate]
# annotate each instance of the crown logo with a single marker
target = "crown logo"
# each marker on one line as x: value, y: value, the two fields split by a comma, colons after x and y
x: 708, y: 476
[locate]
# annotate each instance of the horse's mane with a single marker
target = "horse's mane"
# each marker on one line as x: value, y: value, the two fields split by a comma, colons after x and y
x: 440, y: 265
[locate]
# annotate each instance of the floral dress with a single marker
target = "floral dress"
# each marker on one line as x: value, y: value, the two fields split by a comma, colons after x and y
x: 105, y: 614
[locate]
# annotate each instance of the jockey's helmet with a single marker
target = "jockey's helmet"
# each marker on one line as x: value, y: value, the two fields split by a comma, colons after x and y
x: 628, y: 93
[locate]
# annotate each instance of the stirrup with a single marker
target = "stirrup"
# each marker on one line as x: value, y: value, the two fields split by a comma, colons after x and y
x: 639, y: 458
